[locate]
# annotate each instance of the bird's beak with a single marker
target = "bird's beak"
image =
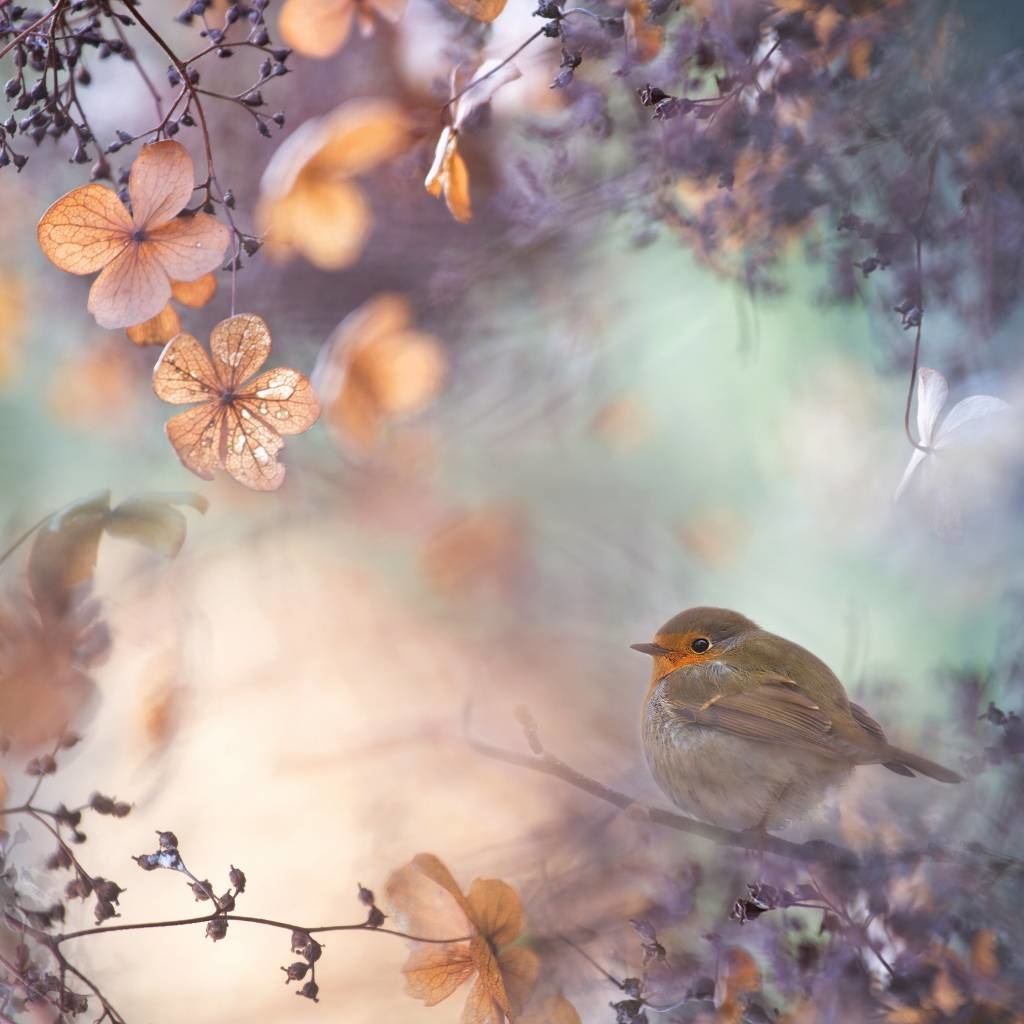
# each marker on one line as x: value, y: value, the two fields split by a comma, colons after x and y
x: 652, y: 649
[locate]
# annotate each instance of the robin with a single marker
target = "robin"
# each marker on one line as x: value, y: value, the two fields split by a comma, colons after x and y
x: 747, y: 730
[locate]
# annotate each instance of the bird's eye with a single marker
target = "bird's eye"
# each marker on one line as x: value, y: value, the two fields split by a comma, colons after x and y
x: 700, y: 645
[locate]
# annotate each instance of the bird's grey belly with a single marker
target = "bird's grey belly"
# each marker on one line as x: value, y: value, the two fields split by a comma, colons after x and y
x: 738, y: 783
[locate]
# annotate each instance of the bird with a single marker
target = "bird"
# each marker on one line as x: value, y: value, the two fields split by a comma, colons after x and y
x: 749, y: 731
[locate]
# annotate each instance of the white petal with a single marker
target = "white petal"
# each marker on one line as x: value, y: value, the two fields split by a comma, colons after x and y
x: 970, y: 410
x: 433, y: 182
x: 484, y: 92
x: 932, y: 392
x: 915, y: 460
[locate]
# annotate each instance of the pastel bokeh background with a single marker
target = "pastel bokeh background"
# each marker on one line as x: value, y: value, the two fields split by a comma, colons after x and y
x: 620, y: 434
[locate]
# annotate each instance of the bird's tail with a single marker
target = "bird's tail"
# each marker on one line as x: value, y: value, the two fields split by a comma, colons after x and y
x: 903, y: 762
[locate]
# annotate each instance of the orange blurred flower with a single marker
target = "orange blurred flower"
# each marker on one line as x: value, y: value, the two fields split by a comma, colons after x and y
x: 427, y: 901
x: 94, y: 387
x: 13, y: 307
x: 374, y: 369
x: 138, y: 254
x: 482, y: 10
x: 318, y: 28
x: 44, y: 665
x: 643, y: 38
x: 737, y: 977
x: 241, y: 418
x: 475, y: 552
x: 308, y: 203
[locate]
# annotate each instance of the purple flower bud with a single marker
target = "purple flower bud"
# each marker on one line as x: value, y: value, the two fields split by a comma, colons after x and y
x: 309, y: 991
x: 107, y: 890
x: 201, y: 890
x: 44, y: 765
x: 104, y: 910
x: 295, y: 972
x: 168, y: 840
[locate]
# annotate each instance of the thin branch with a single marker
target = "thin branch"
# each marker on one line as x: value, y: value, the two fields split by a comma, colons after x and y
x: 38, y: 23
x: 593, y: 963
x: 53, y: 753
x: 483, y: 78
x: 143, y: 73
x: 182, y: 68
x: 541, y: 761
x: 246, y: 919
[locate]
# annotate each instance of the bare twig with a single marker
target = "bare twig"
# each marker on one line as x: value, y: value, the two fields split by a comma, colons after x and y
x: 267, y: 922
x: 542, y: 761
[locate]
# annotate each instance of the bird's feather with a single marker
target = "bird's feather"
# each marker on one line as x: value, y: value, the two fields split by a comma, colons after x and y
x: 778, y: 711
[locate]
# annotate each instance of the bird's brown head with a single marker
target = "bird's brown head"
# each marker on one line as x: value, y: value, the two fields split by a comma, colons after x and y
x: 694, y: 636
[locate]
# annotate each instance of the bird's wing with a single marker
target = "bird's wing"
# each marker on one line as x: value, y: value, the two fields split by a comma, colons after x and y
x: 865, y: 721
x: 778, y: 711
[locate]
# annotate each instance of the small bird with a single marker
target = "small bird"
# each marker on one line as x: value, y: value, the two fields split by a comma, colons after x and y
x: 749, y: 731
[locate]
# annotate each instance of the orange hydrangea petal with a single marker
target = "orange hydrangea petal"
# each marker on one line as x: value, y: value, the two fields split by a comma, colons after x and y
x: 389, y: 10
x: 327, y: 222
x: 487, y: 1003
x: 158, y: 329
x: 403, y: 371
x: 456, y: 188
x: 359, y: 136
x: 131, y: 289
x: 184, y: 373
x: 283, y: 399
x: 643, y: 38
x: 374, y: 367
x: 431, y: 866
x: 519, y: 968
x: 197, y: 436
x: 482, y: 10
x: 84, y: 230
x: 195, y: 293
x: 434, y: 972
x: 160, y: 183
x: 355, y: 418
x: 495, y: 909
x: 240, y: 346
x: 446, y: 143
x: 316, y: 28
x: 424, y: 898
x: 384, y: 314
x: 251, y: 450
x: 188, y: 247
x: 738, y: 973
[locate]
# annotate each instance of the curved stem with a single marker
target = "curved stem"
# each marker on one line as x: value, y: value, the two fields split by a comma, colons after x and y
x: 38, y: 23
x: 183, y: 71
x: 497, y: 67
x: 755, y: 840
x: 247, y: 919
